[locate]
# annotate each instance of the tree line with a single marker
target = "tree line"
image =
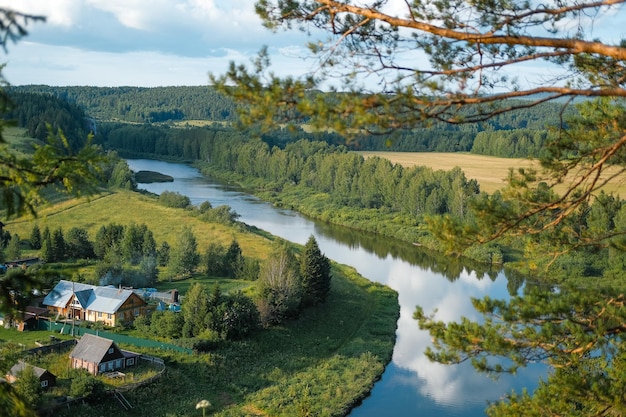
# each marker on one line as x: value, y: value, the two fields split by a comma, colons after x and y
x: 515, y: 134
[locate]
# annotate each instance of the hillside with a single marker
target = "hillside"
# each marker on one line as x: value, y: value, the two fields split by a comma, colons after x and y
x: 517, y: 134
x: 266, y: 372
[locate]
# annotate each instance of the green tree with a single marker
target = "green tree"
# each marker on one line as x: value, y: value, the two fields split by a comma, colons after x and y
x: 578, y: 332
x: 163, y: 254
x: 46, y: 253
x: 195, y: 308
x: 35, y: 237
x: 86, y: 385
x: 168, y: 324
x: 470, y: 51
x: 28, y: 386
x: 78, y: 244
x: 214, y: 260
x: 122, y: 177
x: 13, y: 249
x: 280, y: 287
x: 184, y: 257
x: 59, y: 251
x: 233, y: 260
x: 315, y: 272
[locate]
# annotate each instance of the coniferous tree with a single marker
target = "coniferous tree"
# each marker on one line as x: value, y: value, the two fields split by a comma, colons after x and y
x: 315, y: 271
x: 35, y: 237
x: 233, y: 260
x: 46, y: 253
x: 58, y: 245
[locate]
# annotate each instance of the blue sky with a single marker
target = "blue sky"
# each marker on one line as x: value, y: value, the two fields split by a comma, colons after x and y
x: 142, y: 42
x: 166, y: 42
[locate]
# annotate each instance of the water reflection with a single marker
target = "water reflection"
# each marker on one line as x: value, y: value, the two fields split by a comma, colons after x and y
x: 411, y: 384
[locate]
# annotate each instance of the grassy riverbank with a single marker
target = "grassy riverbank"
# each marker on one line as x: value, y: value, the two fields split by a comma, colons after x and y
x: 321, y: 364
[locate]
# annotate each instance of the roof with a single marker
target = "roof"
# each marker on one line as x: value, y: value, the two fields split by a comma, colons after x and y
x: 20, y: 366
x: 91, y: 348
x: 90, y: 297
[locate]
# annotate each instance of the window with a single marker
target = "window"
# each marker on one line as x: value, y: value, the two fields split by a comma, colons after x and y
x: 99, y: 314
x: 44, y: 383
x: 109, y: 316
x: 110, y: 350
x: 136, y: 312
x: 130, y: 361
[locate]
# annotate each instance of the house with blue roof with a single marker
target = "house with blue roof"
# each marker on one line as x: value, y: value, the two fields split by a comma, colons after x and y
x: 109, y: 305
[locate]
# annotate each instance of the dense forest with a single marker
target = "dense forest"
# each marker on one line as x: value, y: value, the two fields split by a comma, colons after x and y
x: 383, y: 198
x: 517, y: 134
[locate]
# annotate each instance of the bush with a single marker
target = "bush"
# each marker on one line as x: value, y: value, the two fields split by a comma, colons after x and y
x: 174, y: 199
x: 86, y: 385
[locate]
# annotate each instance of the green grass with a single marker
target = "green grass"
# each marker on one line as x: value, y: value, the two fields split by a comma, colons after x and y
x: 321, y: 364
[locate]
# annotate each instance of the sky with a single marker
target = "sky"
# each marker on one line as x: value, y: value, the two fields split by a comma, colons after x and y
x: 142, y: 42
x: 163, y: 42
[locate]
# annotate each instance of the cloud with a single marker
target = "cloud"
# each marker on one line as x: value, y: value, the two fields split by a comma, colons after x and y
x: 142, y: 42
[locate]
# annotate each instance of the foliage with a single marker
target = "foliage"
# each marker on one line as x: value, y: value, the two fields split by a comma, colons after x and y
x: 174, y: 199
x: 578, y: 332
x: 28, y: 386
x: 54, y: 165
x: 11, y: 400
x: 13, y: 250
x: 315, y: 271
x: 184, y: 257
x: 122, y: 177
x: 167, y: 324
x: 78, y: 245
x: 280, y: 287
x: 469, y: 47
x: 86, y: 385
x: 229, y: 316
x: 35, y: 237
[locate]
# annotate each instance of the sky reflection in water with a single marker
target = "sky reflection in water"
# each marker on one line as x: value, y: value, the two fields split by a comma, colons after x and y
x: 411, y: 385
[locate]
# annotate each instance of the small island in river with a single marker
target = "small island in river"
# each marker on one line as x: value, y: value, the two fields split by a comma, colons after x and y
x: 147, y: 177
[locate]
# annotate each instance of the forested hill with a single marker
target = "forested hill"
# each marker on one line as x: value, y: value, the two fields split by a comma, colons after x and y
x: 143, y: 105
x: 36, y: 112
x: 518, y: 134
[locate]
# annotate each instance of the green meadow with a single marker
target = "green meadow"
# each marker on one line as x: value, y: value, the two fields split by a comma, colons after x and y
x: 321, y: 364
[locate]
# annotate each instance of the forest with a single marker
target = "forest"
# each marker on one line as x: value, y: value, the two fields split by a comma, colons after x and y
x: 304, y: 171
x: 518, y: 134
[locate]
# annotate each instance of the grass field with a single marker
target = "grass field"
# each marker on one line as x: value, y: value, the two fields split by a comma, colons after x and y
x: 320, y: 364
x: 124, y: 208
x: 489, y: 171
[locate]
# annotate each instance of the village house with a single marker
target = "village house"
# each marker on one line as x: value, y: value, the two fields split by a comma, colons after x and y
x: 100, y: 355
x: 46, y: 378
x: 92, y: 303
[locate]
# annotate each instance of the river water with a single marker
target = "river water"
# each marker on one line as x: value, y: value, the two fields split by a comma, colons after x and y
x: 411, y: 385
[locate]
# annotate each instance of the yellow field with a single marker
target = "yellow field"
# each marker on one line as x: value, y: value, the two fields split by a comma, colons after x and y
x: 489, y: 171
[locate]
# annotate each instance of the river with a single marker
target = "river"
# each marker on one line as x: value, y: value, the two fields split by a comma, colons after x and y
x: 411, y: 385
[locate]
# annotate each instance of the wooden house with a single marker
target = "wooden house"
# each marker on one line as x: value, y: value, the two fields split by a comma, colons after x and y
x: 46, y: 378
x: 108, y: 305
x: 100, y: 355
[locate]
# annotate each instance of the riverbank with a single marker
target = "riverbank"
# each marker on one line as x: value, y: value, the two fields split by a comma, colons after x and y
x: 320, y: 206
x: 324, y: 363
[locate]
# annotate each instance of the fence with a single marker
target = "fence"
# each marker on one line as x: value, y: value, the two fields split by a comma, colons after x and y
x: 66, y: 328
x: 54, y: 347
